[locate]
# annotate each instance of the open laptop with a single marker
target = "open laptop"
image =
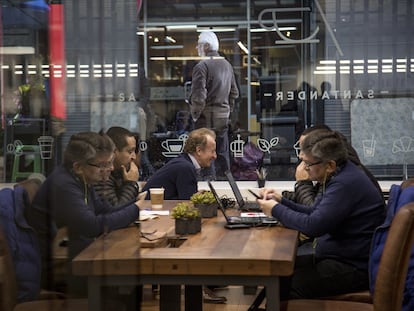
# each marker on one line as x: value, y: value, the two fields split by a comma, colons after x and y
x: 243, y: 221
x: 243, y: 205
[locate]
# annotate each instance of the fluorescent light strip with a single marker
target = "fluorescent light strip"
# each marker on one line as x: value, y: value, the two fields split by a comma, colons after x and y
x: 175, y: 27
x: 325, y: 72
x: 243, y: 47
x: 327, y: 62
x: 167, y: 47
x: 216, y: 29
x: 284, y: 28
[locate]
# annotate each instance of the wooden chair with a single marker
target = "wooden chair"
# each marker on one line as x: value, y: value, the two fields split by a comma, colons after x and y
x: 392, y: 272
x: 8, y: 289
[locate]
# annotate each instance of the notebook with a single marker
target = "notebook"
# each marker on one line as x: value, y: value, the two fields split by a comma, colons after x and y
x: 243, y: 205
x: 245, y: 219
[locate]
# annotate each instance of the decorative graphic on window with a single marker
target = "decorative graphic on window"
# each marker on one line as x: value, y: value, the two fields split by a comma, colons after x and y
x: 403, y: 144
x: 174, y: 146
x: 143, y: 146
x: 236, y: 147
x: 264, y: 18
x: 368, y: 145
x: 265, y: 145
x: 45, y: 147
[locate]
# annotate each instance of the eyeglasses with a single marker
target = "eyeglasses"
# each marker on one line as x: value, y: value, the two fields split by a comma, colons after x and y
x: 308, y: 164
x: 102, y: 166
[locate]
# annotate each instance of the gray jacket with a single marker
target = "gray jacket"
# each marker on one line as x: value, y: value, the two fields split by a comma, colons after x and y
x: 213, y: 89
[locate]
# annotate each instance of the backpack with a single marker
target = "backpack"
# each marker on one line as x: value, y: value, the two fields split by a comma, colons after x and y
x: 398, y: 198
x: 244, y: 168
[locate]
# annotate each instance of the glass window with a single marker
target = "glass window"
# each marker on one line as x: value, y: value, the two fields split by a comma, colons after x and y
x: 345, y: 64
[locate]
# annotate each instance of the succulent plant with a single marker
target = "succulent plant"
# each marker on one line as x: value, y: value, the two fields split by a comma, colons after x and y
x: 185, y: 210
x: 203, y: 197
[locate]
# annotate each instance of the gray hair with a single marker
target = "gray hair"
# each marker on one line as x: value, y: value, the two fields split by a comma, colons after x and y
x: 210, y: 38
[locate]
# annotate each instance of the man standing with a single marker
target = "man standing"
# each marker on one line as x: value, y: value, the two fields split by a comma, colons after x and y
x: 213, y: 93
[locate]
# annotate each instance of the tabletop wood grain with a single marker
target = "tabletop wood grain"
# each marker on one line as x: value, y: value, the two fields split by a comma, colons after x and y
x: 215, y: 250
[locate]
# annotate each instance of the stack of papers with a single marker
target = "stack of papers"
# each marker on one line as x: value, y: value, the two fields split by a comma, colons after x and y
x: 146, y: 214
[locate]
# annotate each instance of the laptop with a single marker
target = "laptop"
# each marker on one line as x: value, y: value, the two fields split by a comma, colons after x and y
x: 252, y: 220
x: 243, y: 205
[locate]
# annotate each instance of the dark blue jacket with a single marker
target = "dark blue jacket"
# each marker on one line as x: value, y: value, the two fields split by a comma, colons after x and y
x: 343, y: 217
x: 397, y: 199
x: 64, y: 201
x: 22, y: 241
x: 178, y: 177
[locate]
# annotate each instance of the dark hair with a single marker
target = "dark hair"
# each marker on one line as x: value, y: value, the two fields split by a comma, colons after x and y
x: 119, y: 136
x: 325, y: 145
x: 86, y: 146
x: 198, y: 138
x: 316, y: 127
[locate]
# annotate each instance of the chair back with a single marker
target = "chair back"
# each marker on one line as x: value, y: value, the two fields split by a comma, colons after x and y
x: 392, y: 271
x: 8, y: 286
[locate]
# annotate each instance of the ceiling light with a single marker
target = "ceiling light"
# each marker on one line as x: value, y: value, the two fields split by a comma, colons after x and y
x: 216, y: 29
x: 167, y: 47
x: 243, y: 47
x: 175, y: 27
x: 169, y: 39
x: 16, y: 50
x: 287, y: 28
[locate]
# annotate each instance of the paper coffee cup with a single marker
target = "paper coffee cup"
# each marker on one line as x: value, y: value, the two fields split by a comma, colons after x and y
x: 157, y: 197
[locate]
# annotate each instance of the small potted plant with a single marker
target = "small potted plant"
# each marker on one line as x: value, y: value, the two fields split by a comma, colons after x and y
x: 187, y: 218
x: 206, y: 203
x: 261, y: 176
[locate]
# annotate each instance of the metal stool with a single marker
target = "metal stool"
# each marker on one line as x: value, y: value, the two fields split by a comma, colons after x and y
x: 20, y: 153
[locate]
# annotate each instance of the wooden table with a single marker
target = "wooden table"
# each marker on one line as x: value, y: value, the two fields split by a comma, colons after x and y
x: 215, y: 256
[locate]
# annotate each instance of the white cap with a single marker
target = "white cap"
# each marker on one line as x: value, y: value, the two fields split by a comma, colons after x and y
x: 210, y: 38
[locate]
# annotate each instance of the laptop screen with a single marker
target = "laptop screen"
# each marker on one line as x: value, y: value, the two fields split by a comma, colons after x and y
x: 235, y: 189
x: 219, y: 202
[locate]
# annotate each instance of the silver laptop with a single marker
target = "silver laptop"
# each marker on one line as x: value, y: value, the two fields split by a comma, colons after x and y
x: 243, y: 205
x: 242, y: 222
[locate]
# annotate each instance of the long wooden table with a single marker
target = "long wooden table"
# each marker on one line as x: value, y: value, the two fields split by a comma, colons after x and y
x: 215, y: 256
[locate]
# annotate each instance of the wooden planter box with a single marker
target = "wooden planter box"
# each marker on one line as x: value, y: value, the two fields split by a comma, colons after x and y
x: 185, y: 226
x: 207, y: 210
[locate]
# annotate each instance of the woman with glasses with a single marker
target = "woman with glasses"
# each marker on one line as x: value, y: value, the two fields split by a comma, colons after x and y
x: 342, y: 220
x: 67, y: 199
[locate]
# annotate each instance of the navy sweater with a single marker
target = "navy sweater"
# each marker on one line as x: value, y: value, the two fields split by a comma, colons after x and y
x: 178, y: 177
x: 343, y: 217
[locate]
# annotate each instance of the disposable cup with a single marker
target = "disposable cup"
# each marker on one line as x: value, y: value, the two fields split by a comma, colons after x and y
x: 157, y: 197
